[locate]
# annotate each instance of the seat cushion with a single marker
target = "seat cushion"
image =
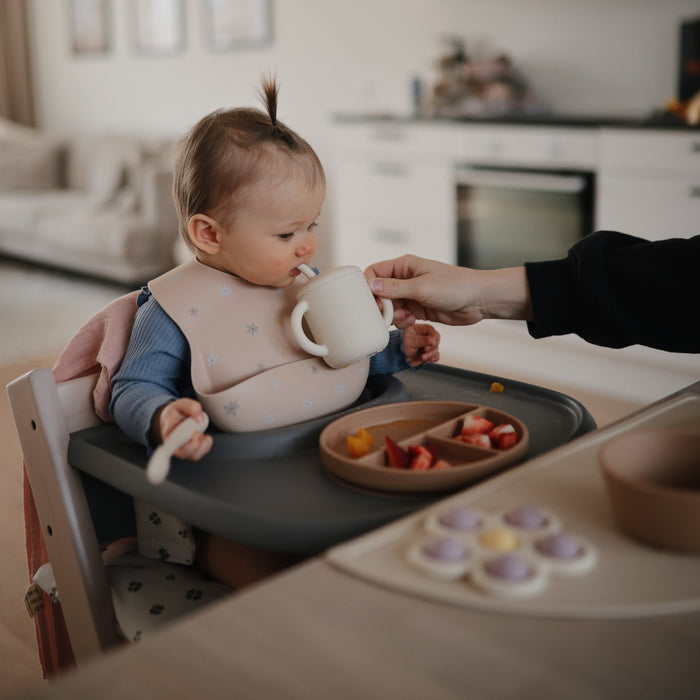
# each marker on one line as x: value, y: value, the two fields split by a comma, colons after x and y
x: 148, y: 593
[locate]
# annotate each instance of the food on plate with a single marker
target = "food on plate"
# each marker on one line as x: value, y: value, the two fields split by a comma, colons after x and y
x: 396, y: 456
x: 476, y: 424
x: 415, y: 458
x: 479, y: 431
x: 360, y: 444
x: 497, y: 387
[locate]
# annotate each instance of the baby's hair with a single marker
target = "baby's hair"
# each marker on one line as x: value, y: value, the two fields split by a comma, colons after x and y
x: 228, y: 150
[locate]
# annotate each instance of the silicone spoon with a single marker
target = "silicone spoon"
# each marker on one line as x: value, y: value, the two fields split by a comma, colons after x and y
x: 159, y: 464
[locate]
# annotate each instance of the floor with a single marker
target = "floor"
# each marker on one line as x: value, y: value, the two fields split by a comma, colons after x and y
x: 19, y: 666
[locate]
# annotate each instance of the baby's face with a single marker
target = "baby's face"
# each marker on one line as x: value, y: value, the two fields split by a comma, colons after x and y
x: 273, y: 231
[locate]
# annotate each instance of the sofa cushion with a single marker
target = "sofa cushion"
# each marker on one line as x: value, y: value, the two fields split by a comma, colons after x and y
x: 108, y: 233
x: 20, y: 210
x: 102, y: 165
x: 30, y: 165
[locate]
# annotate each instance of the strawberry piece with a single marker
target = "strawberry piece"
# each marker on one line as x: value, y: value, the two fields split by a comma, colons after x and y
x: 478, y: 439
x: 396, y: 456
x: 507, y: 440
x: 421, y: 461
x: 441, y: 464
x: 476, y: 424
x: 432, y: 448
x: 421, y: 457
x: 501, y: 429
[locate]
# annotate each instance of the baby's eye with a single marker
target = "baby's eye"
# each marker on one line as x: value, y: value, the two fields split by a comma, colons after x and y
x: 313, y: 226
x: 285, y: 236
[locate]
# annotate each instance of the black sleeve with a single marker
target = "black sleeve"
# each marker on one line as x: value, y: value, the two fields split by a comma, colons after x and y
x: 616, y: 290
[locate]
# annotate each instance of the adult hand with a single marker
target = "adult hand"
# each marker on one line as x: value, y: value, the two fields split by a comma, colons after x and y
x: 457, y: 296
x: 168, y: 417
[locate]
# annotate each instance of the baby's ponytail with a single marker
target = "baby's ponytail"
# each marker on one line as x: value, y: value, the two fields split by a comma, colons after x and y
x: 268, y: 93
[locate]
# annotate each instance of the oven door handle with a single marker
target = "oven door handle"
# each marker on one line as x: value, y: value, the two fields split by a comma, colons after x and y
x: 546, y: 182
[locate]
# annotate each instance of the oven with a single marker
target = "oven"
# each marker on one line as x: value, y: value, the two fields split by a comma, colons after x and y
x: 508, y: 216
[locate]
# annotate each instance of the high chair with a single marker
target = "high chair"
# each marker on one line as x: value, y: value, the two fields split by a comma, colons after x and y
x: 72, y: 509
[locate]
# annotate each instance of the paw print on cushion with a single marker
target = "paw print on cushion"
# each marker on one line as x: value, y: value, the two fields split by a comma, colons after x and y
x: 134, y: 586
x: 194, y: 594
x: 157, y: 609
x: 184, y: 534
x: 164, y: 554
x: 154, y: 518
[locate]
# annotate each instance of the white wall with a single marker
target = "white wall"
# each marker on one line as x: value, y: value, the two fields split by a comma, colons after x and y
x: 340, y: 56
x: 335, y: 56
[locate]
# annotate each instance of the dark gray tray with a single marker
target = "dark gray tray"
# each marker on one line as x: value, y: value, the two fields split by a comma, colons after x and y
x: 269, y: 489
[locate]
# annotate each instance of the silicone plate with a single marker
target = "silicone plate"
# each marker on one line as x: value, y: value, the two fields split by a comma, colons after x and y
x: 411, y: 423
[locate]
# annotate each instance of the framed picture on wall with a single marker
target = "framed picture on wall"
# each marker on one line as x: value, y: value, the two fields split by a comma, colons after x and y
x: 90, y: 27
x: 159, y: 26
x: 237, y: 24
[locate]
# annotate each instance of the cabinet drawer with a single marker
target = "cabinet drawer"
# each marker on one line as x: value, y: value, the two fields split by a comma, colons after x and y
x: 650, y: 208
x: 362, y: 242
x: 530, y: 147
x: 650, y: 150
x: 429, y: 141
x: 380, y: 187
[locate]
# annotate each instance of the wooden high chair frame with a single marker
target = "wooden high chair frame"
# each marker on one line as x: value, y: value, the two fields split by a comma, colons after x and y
x: 45, y: 414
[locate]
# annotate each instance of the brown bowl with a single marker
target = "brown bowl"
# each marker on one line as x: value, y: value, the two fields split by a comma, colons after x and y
x: 653, y: 480
x: 411, y: 423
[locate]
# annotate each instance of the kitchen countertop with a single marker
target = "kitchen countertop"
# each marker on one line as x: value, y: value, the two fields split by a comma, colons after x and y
x: 319, y: 632
x: 653, y: 121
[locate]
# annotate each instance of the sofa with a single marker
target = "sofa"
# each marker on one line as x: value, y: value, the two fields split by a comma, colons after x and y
x: 98, y: 204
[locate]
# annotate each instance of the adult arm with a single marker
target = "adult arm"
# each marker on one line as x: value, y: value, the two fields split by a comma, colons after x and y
x: 616, y: 290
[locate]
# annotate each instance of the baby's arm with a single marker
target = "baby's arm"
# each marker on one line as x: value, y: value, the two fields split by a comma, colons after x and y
x: 420, y: 343
x: 147, y: 402
x: 169, y: 416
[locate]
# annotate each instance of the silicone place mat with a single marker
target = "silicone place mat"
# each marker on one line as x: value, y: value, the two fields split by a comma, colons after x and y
x: 628, y: 580
x: 270, y: 489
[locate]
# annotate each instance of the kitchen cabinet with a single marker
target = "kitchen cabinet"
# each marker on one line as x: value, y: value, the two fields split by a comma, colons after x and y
x: 649, y: 183
x: 393, y: 191
x: 555, y: 148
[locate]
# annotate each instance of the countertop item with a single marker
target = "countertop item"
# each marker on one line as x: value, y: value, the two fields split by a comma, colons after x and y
x: 653, y: 480
x: 274, y: 492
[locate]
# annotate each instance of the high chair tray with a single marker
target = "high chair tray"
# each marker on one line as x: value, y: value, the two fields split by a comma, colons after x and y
x: 269, y: 489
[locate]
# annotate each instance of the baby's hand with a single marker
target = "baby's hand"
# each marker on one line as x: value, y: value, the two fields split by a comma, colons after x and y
x: 170, y: 416
x: 420, y: 343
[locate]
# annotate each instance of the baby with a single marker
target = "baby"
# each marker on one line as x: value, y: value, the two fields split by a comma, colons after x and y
x: 248, y: 192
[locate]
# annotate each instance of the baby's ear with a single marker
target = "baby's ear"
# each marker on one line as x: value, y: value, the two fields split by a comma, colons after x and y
x: 204, y: 234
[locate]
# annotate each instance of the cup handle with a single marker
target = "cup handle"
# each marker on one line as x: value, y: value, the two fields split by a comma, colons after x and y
x: 387, y: 311
x: 297, y: 315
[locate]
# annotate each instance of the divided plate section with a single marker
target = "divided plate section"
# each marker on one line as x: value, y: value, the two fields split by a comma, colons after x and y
x: 432, y: 424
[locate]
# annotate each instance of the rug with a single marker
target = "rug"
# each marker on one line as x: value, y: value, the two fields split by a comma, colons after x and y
x: 41, y: 309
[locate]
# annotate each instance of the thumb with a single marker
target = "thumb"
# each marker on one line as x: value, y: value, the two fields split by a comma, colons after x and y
x: 389, y: 288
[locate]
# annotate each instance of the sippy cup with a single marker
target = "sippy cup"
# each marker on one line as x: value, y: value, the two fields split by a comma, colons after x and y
x: 342, y: 315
